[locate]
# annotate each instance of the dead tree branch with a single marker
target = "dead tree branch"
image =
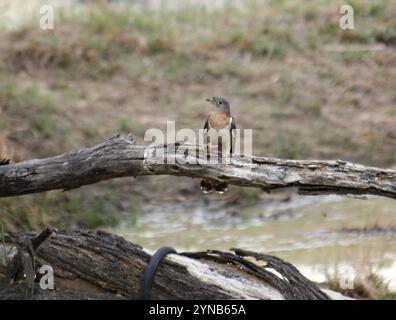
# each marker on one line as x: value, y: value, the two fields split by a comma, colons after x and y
x: 119, y: 157
x: 99, y: 265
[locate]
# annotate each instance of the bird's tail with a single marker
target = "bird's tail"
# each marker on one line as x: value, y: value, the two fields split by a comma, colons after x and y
x: 208, y: 186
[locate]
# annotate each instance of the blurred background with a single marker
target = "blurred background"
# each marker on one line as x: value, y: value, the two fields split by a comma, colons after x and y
x: 312, y: 90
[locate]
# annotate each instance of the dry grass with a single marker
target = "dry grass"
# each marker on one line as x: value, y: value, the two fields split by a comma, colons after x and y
x: 367, y: 285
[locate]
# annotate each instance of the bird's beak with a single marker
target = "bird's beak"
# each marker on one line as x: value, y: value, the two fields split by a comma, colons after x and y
x: 209, y: 99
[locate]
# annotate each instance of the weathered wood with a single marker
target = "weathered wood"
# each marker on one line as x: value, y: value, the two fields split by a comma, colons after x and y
x: 96, y: 264
x: 17, y: 291
x: 119, y: 157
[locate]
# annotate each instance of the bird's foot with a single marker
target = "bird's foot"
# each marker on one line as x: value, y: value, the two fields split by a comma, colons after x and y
x: 221, y: 187
x: 206, y: 186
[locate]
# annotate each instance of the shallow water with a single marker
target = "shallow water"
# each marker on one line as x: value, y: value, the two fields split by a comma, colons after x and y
x: 320, y: 235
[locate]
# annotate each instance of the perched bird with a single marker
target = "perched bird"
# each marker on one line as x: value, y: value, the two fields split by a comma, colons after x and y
x: 219, y: 128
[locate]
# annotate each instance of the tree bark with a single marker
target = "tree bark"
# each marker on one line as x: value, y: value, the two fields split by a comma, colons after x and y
x: 120, y: 157
x: 99, y: 265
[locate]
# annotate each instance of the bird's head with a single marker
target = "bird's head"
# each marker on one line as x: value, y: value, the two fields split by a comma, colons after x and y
x: 220, y: 104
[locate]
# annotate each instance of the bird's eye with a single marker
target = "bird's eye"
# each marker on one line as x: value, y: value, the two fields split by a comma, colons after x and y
x: 220, y: 102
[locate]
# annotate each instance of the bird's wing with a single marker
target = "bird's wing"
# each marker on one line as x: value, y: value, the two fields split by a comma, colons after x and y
x: 206, y: 125
x: 232, y: 134
x: 206, y: 136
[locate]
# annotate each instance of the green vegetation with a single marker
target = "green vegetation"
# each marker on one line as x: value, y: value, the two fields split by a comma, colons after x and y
x: 34, y: 111
x: 105, y: 32
x: 64, y: 210
x: 126, y: 126
x: 123, y: 126
x: 17, y: 99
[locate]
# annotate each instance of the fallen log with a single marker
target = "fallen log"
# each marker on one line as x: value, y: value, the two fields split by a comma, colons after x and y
x: 120, y: 157
x: 99, y: 265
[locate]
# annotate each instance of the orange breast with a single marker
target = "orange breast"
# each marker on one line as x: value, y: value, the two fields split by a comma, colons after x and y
x: 218, y: 120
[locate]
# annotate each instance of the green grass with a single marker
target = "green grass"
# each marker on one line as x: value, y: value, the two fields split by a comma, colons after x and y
x: 65, y: 210
x: 354, y: 56
x: 126, y: 126
x: 93, y: 212
x: 44, y: 118
x: 368, y: 8
x: 15, y: 98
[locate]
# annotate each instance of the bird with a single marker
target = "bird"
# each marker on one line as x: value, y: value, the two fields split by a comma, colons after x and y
x: 220, y: 126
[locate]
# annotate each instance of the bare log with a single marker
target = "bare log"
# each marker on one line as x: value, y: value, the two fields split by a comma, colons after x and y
x: 99, y: 265
x: 119, y: 157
